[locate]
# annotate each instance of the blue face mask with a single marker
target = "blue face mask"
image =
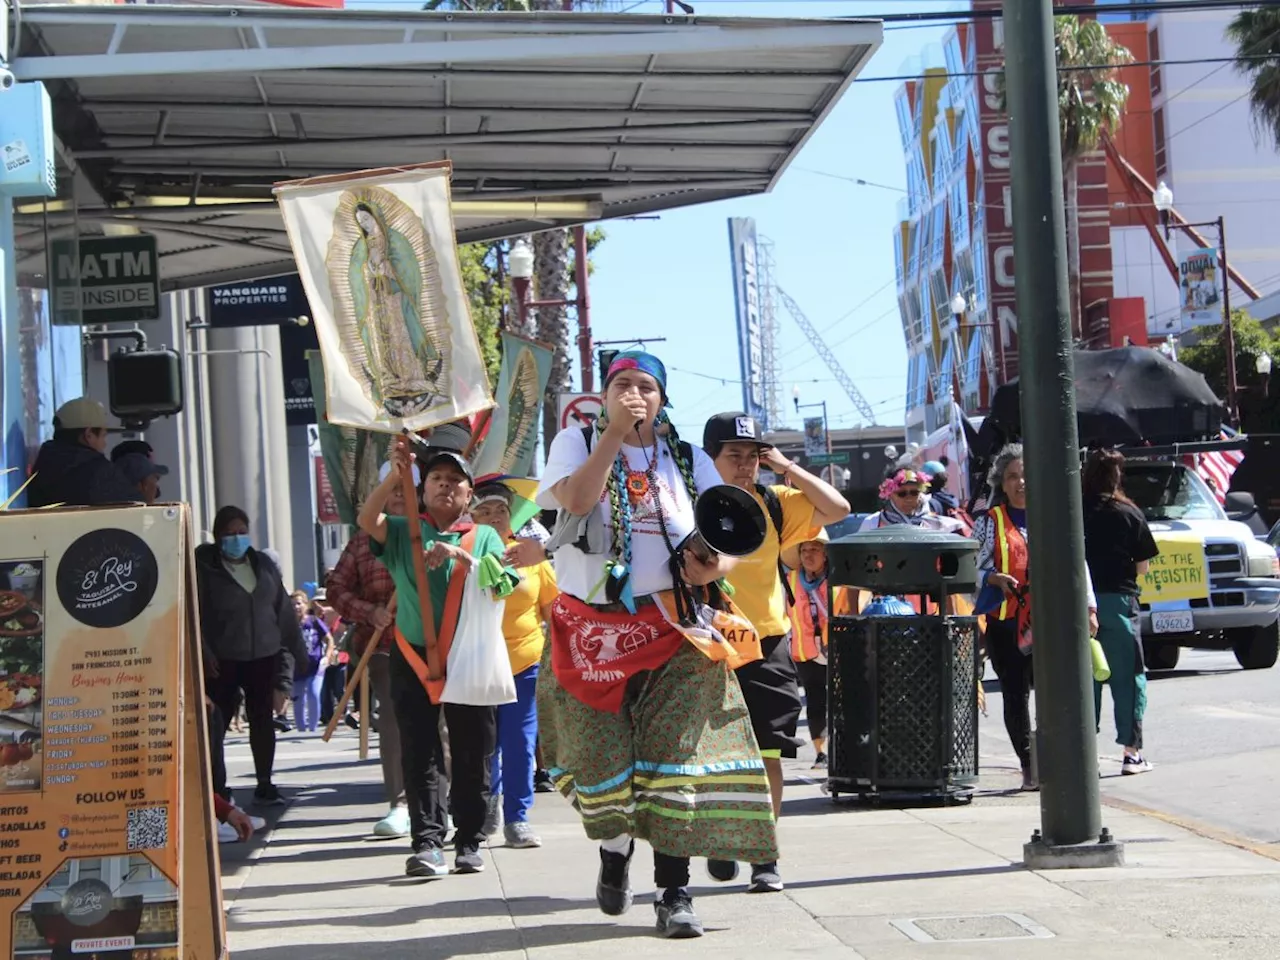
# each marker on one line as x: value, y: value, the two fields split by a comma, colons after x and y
x: 234, y: 547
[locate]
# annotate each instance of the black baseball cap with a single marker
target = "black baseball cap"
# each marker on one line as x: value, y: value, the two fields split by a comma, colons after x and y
x: 733, y: 427
x: 126, y: 447
x: 435, y: 456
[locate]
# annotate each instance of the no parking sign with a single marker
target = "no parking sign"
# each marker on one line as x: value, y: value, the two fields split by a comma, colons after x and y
x: 579, y: 409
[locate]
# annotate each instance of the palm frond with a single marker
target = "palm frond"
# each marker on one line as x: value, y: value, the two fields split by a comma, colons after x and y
x: 17, y: 493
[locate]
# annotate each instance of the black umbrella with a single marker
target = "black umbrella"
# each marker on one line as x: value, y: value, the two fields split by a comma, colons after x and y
x: 1129, y: 396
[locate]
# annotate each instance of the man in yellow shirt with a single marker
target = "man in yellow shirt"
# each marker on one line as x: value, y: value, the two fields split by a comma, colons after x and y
x: 795, y: 514
x: 526, y: 610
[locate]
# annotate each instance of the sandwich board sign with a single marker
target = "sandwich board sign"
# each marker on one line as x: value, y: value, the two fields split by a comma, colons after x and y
x: 104, y: 280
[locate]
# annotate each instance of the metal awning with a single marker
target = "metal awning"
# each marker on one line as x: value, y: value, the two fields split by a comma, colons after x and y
x: 177, y: 120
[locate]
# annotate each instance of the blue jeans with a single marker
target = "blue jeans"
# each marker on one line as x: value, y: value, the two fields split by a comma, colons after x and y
x: 513, y: 760
x: 306, y: 701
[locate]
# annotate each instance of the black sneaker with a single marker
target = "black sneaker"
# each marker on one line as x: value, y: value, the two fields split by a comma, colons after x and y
x: 281, y: 724
x: 676, y: 919
x: 351, y: 722
x: 820, y: 761
x: 428, y: 864
x: 725, y: 871
x: 542, y: 782
x: 613, y: 888
x: 765, y: 878
x: 268, y: 795
x: 468, y: 860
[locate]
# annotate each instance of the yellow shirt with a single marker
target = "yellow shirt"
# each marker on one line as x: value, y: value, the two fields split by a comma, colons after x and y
x: 757, y: 587
x: 522, y: 618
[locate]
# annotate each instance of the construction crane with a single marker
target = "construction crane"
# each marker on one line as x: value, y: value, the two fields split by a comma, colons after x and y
x: 829, y: 358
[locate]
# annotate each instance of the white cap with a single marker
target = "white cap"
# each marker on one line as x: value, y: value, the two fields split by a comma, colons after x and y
x: 386, y: 469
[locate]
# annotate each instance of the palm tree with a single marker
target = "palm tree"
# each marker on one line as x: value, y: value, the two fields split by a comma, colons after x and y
x: 551, y: 268
x: 1256, y: 34
x: 1091, y: 100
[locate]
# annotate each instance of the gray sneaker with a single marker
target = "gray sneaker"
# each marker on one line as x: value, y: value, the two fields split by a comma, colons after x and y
x: 493, y: 815
x: 521, y: 836
x: 427, y: 864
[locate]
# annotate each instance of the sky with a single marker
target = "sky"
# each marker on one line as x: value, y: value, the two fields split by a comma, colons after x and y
x: 832, y: 249
x: 671, y: 277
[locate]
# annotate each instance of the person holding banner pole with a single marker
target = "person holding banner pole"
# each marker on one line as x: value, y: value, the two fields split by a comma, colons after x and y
x: 361, y: 589
x: 428, y: 612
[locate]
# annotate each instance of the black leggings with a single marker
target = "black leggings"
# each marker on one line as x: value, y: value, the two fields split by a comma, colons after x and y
x: 1013, y: 667
x: 669, y: 871
x: 813, y: 676
x: 258, y: 680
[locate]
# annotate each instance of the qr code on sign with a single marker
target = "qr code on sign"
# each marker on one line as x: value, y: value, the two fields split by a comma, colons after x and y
x: 147, y: 828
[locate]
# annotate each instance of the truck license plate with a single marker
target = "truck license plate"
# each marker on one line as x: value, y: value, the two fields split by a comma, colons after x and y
x: 1180, y: 622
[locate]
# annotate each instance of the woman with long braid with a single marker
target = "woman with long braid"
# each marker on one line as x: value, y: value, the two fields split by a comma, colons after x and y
x: 644, y: 732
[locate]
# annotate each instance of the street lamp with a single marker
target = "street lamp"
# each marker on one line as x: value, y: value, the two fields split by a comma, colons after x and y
x: 520, y: 266
x: 957, y: 305
x: 1263, y: 364
x: 1162, y: 200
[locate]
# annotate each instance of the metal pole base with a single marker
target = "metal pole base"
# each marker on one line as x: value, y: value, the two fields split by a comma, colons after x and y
x: 1039, y: 855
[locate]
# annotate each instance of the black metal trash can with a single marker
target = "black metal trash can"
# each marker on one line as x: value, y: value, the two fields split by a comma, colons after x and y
x: 902, y: 690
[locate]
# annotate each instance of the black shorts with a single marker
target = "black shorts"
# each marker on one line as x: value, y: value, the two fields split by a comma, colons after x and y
x: 773, y: 698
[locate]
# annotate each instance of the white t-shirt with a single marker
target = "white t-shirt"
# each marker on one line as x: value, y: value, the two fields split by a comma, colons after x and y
x: 578, y: 573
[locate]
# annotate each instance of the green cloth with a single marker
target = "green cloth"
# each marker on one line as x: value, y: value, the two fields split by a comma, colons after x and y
x: 242, y: 573
x: 397, y: 555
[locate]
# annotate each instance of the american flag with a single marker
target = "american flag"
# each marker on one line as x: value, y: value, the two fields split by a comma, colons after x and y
x: 1217, y: 467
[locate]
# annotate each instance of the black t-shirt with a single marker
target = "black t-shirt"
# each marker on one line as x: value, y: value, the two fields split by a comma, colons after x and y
x: 1116, y: 540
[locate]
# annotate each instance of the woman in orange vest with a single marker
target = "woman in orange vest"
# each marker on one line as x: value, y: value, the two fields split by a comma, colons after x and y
x: 809, y: 617
x: 1005, y: 598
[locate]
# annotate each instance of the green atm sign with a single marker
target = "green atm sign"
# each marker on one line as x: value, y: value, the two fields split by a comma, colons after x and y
x: 104, y: 280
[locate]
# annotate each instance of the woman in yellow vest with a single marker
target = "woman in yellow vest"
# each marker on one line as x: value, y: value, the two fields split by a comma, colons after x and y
x: 809, y: 617
x: 526, y: 610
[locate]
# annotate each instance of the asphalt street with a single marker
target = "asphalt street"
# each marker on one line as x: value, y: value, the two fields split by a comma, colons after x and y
x: 1212, y: 732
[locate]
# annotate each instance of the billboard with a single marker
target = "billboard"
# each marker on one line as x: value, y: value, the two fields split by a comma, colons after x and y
x: 1199, y: 295
x: 746, y: 296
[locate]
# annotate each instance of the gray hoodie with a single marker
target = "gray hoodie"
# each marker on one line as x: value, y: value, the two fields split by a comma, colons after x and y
x: 241, y: 626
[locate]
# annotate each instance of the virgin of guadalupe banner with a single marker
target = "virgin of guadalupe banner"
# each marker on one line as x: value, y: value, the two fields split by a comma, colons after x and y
x: 376, y: 254
x: 352, y: 457
x: 513, y: 431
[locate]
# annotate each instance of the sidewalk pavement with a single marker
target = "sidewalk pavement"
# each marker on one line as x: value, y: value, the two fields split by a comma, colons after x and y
x: 860, y: 882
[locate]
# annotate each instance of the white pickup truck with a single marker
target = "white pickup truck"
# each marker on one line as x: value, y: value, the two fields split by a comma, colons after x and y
x: 1226, y: 582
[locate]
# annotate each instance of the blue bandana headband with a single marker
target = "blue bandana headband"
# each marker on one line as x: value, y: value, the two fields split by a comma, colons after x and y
x: 643, y: 362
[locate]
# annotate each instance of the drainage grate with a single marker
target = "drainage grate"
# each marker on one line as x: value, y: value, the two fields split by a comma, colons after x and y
x: 991, y: 926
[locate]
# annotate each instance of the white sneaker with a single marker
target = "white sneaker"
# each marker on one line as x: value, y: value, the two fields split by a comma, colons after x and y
x: 258, y: 823
x: 1134, y: 764
x: 227, y: 833
x: 394, y: 824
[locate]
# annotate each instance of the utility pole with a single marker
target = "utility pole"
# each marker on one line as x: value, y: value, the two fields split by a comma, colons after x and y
x: 1070, y: 809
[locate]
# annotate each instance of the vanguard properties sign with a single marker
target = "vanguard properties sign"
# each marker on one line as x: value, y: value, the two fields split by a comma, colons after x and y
x: 746, y: 294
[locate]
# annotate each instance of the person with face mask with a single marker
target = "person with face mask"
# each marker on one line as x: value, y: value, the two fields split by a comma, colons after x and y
x: 72, y: 468
x: 248, y: 625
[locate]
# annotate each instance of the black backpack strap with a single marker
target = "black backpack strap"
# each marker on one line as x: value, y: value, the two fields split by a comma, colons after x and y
x: 774, y: 506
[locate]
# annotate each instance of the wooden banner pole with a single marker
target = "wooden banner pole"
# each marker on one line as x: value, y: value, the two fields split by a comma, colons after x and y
x: 361, y: 670
x: 364, y: 715
x: 412, y: 510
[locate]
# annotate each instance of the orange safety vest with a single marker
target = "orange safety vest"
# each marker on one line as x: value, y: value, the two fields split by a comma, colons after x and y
x: 809, y: 617
x: 1010, y: 555
x: 448, y: 625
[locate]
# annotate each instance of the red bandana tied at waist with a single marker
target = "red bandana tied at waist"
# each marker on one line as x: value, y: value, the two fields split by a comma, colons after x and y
x: 595, y: 652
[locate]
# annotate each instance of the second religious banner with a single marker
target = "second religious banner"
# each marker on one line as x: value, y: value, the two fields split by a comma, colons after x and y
x: 377, y: 258
x: 513, y: 433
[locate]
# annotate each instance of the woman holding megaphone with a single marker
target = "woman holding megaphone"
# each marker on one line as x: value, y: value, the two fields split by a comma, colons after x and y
x: 642, y: 724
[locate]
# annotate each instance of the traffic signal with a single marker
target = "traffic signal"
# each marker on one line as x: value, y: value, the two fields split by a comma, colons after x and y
x: 606, y: 360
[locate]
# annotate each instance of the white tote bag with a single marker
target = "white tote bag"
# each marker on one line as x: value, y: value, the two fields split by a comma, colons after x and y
x: 478, y: 673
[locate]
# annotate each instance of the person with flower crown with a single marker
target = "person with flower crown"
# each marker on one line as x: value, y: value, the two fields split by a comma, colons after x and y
x: 644, y: 729
x: 905, y: 502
